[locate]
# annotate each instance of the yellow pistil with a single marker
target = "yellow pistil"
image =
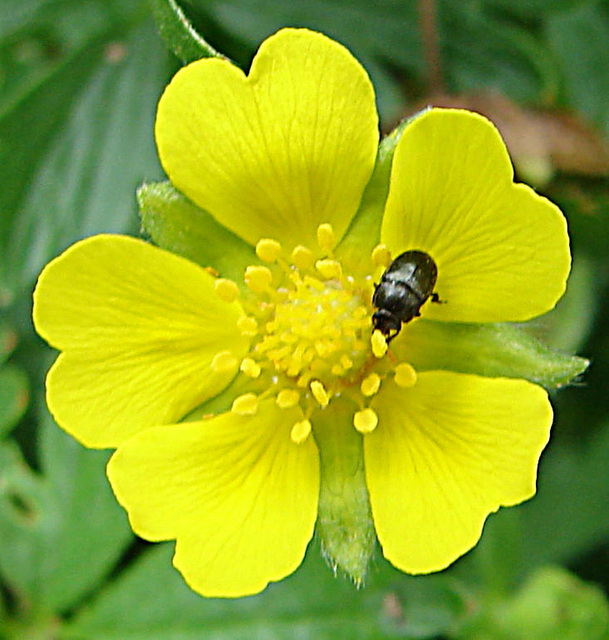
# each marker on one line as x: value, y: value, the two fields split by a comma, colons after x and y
x: 245, y: 405
x: 268, y: 250
x: 370, y: 385
x: 224, y: 361
x: 365, y: 421
x: 227, y: 290
x: 378, y: 343
x: 319, y: 393
x: 287, y: 398
x: 300, y: 431
x: 258, y: 279
x: 381, y: 256
x: 250, y: 367
x: 247, y: 325
x: 326, y: 237
x: 405, y: 375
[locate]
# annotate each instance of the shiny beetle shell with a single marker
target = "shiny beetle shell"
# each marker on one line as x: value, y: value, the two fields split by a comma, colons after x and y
x: 406, y: 285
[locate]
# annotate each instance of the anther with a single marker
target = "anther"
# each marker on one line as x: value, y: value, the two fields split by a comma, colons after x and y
x: 247, y: 326
x: 250, y: 367
x: 329, y: 269
x: 365, y: 421
x: 300, y: 431
x: 223, y: 361
x: 258, y: 278
x: 245, y: 405
x: 325, y: 237
x: 227, y: 290
x: 381, y: 256
x: 378, y: 343
x: 370, y: 384
x: 268, y: 250
x: 405, y: 375
x: 302, y: 258
x: 319, y: 393
x: 287, y: 398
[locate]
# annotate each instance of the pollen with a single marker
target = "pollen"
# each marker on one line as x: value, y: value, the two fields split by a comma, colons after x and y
x: 312, y: 339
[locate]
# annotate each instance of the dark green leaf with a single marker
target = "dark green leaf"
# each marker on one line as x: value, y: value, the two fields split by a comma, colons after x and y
x: 151, y: 602
x: 75, y: 173
x: 14, y: 397
x: 60, y: 532
x: 179, y: 34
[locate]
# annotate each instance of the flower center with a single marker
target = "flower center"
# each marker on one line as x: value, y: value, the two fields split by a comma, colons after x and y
x: 311, y: 332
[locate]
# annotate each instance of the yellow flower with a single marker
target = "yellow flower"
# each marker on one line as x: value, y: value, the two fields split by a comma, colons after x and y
x: 240, y: 408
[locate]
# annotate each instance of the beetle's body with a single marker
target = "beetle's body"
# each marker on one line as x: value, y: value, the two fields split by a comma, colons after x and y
x: 405, y: 286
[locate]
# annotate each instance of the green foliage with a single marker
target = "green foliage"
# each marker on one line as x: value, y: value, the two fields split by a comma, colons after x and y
x: 79, y: 81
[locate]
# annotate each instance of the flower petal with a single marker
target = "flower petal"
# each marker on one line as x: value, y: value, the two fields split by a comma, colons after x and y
x: 139, y: 328
x: 238, y: 494
x: 278, y: 152
x: 502, y: 251
x: 445, y: 454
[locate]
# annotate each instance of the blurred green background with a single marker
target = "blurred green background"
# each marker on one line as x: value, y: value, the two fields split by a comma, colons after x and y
x: 79, y: 82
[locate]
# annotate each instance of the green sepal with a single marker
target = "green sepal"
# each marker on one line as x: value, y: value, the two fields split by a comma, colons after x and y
x: 179, y: 34
x: 174, y: 223
x: 492, y: 350
x: 365, y: 230
x: 344, y: 521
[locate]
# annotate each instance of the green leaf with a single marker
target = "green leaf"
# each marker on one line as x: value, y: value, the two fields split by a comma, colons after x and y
x: 568, y: 516
x: 8, y: 341
x: 62, y: 531
x: 74, y: 151
x: 174, y: 223
x: 578, y: 39
x: 14, y: 397
x: 149, y: 601
x: 179, y: 34
x: 493, y: 350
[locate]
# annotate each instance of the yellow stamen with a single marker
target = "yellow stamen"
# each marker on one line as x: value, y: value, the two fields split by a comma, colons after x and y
x: 379, y: 344
x: 287, y: 398
x: 370, y: 384
x: 245, y: 405
x: 258, y: 278
x: 227, y: 290
x: 325, y: 237
x: 365, y: 421
x: 381, y: 256
x: 224, y: 361
x: 329, y: 269
x: 302, y: 258
x: 405, y: 375
x: 268, y: 250
x: 319, y: 393
x: 247, y: 326
x: 250, y: 367
x: 300, y: 431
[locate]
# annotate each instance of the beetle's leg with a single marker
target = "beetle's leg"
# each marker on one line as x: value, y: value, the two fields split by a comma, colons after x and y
x: 436, y: 298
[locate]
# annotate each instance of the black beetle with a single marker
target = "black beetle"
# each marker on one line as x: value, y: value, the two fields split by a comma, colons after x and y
x: 405, y: 286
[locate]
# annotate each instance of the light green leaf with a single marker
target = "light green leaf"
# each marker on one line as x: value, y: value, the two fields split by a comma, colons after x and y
x: 174, y: 223
x: 493, y: 350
